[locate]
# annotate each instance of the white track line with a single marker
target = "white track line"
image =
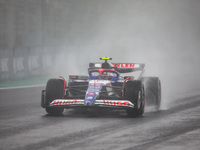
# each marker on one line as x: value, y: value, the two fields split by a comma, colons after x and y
x: 21, y: 87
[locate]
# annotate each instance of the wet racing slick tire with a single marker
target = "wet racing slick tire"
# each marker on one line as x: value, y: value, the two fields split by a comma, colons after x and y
x: 54, y: 90
x: 54, y: 110
x: 134, y: 92
x: 152, y: 90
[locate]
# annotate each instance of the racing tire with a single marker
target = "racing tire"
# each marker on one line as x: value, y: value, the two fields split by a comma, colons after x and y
x: 54, y: 90
x: 152, y: 90
x: 43, y: 100
x: 134, y: 92
x: 54, y: 110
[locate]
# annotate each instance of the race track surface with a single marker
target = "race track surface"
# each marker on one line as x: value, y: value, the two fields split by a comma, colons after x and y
x: 25, y: 125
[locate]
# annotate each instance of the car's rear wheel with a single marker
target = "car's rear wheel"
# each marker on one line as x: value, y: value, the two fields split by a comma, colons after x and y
x: 134, y: 92
x: 152, y: 91
x: 54, y: 90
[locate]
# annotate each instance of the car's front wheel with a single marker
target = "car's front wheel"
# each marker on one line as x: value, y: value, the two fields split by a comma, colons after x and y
x: 134, y: 92
x: 54, y: 90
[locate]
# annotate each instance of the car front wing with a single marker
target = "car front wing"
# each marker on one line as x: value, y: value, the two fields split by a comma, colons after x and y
x: 101, y: 103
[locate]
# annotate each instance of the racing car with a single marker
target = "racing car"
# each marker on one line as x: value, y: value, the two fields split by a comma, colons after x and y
x: 103, y: 87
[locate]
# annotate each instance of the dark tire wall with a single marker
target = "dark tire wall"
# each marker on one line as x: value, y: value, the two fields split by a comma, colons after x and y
x: 152, y: 90
x: 54, y: 90
x: 131, y: 91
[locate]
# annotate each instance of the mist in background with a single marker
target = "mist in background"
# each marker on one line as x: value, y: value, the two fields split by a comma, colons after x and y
x: 163, y: 34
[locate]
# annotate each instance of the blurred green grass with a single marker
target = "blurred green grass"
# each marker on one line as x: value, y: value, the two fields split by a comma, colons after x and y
x: 41, y: 80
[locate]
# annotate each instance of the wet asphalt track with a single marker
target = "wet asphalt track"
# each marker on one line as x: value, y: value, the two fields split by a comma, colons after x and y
x: 25, y: 125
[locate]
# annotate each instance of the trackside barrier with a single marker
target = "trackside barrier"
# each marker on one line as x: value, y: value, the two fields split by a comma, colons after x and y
x: 26, y: 62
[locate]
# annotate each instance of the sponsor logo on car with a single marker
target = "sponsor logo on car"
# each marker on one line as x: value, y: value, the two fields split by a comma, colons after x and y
x: 89, y: 97
x: 117, y: 103
x: 125, y: 65
x: 95, y: 84
x: 90, y: 93
x: 64, y: 102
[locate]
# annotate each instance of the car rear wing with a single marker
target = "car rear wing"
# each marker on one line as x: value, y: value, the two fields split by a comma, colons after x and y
x: 120, y: 67
x: 128, y: 67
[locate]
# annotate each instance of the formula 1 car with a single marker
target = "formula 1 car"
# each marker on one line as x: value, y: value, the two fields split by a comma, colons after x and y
x: 103, y: 88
